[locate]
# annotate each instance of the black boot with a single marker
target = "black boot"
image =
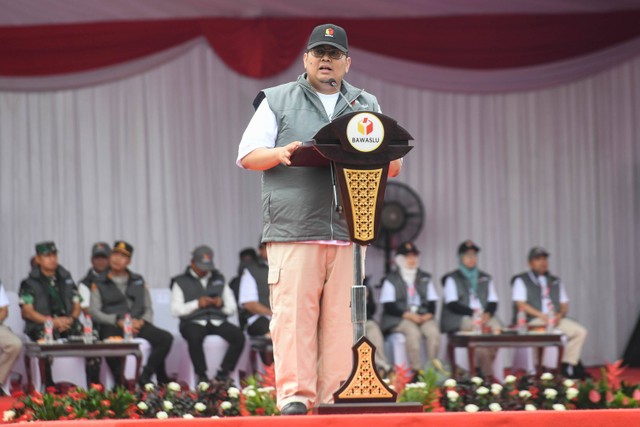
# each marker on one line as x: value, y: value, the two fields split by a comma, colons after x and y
x: 145, y: 376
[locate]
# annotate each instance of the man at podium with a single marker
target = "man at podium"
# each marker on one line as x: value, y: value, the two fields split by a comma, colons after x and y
x: 310, y: 255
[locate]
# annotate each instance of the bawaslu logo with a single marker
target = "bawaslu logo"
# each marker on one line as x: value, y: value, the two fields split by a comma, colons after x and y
x: 365, y: 132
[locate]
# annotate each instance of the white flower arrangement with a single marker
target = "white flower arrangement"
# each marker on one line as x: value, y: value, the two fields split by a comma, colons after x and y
x: 233, y: 392
x: 476, y: 380
x: 226, y: 405
x: 143, y: 406
x: 558, y: 407
x: 525, y: 394
x: 450, y: 383
x: 200, y: 407
x: 572, y: 393
x: 162, y: 415
x: 471, y: 408
x: 547, y: 376
x: 482, y: 391
x: 495, y: 407
x: 167, y: 405
x: 203, y: 386
x: 149, y: 387
x: 568, y: 383
x: 8, y: 416
x: 188, y: 416
x: 530, y: 407
x: 452, y: 395
x: 510, y: 379
x: 496, y: 389
x: 174, y: 386
x: 550, y: 393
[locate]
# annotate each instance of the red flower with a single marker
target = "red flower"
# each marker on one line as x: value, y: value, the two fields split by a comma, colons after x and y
x: 18, y: 405
x: 69, y: 409
x: 636, y: 394
x: 63, y: 418
x: 609, y: 396
x: 18, y: 394
x: 97, y: 387
x: 106, y: 403
x: 269, y: 377
x: 614, y: 371
x: 51, y: 390
x: 72, y: 416
x: 259, y: 411
x: 594, y: 396
x: 110, y: 413
x: 37, y: 401
x: 439, y: 409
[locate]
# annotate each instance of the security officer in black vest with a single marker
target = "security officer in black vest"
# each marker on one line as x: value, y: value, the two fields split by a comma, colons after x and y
x: 99, y: 264
x: 118, y: 292
x: 254, y: 294
x: 49, y: 291
x: 203, y: 303
x: 469, y: 291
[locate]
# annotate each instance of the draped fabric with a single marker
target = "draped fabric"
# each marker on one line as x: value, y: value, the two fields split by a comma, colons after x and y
x: 263, y: 47
x: 150, y: 158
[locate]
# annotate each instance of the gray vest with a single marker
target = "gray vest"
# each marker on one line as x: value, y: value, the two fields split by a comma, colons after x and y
x: 193, y: 290
x: 534, y: 293
x: 297, y: 202
x: 115, y: 302
x: 450, y: 321
x: 423, y: 278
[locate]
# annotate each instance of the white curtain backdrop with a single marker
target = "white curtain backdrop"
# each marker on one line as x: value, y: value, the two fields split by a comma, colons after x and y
x: 150, y: 159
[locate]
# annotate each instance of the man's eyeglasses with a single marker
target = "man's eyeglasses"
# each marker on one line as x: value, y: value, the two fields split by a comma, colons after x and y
x: 321, y: 51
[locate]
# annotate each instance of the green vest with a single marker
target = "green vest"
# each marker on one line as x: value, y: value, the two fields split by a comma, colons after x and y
x: 297, y: 202
x: 450, y: 321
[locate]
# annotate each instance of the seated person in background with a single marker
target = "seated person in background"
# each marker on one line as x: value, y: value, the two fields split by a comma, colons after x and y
x: 254, y: 294
x: 118, y: 292
x: 374, y: 333
x: 10, y: 346
x: 203, y: 303
x: 49, y: 291
x: 409, y: 300
x: 246, y: 256
x: 99, y: 264
x: 533, y: 291
x: 469, y: 291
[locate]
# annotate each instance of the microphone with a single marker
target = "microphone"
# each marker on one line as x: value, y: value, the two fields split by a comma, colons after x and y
x: 334, y: 83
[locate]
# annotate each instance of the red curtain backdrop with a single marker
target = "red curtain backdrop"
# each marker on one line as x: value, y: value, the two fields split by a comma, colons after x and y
x: 263, y: 47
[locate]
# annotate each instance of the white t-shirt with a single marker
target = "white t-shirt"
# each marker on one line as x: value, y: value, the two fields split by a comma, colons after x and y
x: 451, y: 294
x: 519, y: 291
x: 248, y: 292
x: 4, y: 299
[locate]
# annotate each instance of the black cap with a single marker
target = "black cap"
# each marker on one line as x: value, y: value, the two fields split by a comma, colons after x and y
x: 407, y: 248
x: 468, y: 245
x: 123, y: 248
x: 202, y: 257
x: 537, y: 252
x: 100, y: 249
x: 329, y: 34
x: 46, y: 248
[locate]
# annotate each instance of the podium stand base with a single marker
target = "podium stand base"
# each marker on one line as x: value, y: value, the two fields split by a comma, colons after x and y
x: 366, y: 408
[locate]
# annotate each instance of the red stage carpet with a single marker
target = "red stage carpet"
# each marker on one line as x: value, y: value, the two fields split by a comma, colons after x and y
x: 627, y: 417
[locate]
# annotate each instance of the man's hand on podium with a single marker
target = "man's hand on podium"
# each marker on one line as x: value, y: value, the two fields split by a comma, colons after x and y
x: 266, y: 158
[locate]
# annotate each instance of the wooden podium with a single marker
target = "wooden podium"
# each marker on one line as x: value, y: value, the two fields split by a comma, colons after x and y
x: 358, y: 148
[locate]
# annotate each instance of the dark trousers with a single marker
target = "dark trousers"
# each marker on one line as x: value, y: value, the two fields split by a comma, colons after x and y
x: 195, y: 334
x: 160, y: 341
x: 259, y: 327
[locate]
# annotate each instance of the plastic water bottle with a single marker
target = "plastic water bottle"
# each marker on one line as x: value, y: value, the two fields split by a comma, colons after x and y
x: 88, y: 329
x: 128, y: 328
x: 521, y: 320
x: 48, y: 330
x: 477, y: 322
x: 551, y: 319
